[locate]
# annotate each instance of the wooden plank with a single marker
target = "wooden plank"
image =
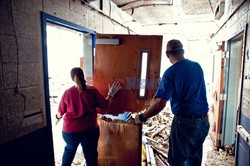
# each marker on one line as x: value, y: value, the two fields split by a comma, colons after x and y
x: 120, y: 63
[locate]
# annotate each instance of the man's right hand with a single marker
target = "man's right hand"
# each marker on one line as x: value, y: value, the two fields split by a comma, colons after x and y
x: 139, y: 119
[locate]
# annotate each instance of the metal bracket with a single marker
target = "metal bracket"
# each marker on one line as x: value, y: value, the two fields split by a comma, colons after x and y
x: 108, y: 41
x: 244, y: 134
x: 223, y: 97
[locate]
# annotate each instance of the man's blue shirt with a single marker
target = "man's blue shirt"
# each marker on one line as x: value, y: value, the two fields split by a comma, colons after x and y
x: 183, y: 84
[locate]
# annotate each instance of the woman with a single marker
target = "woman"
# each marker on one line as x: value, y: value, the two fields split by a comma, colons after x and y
x: 80, y: 126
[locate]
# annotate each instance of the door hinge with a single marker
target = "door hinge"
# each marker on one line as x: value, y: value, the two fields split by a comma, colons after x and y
x: 225, y: 54
x: 244, y: 134
x: 219, y: 136
x: 223, y: 97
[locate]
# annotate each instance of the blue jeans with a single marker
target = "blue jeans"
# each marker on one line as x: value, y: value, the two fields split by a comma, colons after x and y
x: 89, y: 141
x: 186, y: 140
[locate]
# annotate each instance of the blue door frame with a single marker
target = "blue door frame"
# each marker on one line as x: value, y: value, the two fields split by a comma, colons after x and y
x: 47, y: 18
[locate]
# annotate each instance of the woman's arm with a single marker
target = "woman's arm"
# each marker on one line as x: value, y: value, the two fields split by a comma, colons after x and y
x: 61, y: 109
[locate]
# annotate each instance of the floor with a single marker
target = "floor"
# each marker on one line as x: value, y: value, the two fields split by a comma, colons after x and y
x: 207, y: 147
x: 209, y: 155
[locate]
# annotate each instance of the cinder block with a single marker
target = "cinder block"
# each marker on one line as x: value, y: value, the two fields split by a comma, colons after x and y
x: 1, y: 77
x: 78, y: 7
x: 27, y: 6
x: 95, y: 21
x: 32, y: 120
x: 36, y: 126
x: 14, y: 103
x: 15, y: 128
x: 5, y: 21
x: 8, y: 48
x: 62, y: 12
x: 56, y: 9
x: 30, y: 50
x: 27, y: 25
x: 107, y: 26
x: 34, y: 99
x: 2, y: 110
x: 9, y: 75
x: 244, y: 9
x: 30, y: 74
x: 64, y: 3
x: 79, y: 19
x: 3, y: 129
x: 3, y: 121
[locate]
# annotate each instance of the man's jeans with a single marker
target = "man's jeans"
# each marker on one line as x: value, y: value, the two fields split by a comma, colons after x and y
x: 185, y: 141
x: 88, y: 140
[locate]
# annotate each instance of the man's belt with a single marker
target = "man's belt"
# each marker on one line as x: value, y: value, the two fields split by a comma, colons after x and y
x: 192, y: 116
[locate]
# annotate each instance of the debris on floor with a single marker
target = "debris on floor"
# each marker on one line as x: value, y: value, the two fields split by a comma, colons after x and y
x: 221, y: 157
x: 156, y: 131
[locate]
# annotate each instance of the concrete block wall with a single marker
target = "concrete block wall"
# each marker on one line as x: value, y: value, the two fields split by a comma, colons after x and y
x: 21, y: 58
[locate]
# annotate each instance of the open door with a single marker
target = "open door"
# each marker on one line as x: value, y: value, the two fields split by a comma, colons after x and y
x: 215, y: 113
x: 132, y: 60
x: 135, y: 62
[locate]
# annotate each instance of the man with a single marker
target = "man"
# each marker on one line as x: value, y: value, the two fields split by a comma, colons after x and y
x: 183, y: 84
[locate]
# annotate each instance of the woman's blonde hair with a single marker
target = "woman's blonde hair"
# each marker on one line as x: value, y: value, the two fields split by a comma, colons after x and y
x: 78, y: 77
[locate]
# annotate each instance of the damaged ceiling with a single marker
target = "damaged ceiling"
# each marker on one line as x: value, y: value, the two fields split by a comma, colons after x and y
x: 160, y: 12
x: 170, y: 16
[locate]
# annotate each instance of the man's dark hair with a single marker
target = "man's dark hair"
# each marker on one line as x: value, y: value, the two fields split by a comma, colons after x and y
x: 175, y: 47
x: 176, y: 52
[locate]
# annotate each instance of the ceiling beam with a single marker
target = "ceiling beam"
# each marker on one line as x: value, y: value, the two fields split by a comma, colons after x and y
x: 137, y: 4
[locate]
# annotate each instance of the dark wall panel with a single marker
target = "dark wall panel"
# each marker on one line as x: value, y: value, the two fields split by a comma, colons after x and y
x: 34, y: 149
x: 243, y: 153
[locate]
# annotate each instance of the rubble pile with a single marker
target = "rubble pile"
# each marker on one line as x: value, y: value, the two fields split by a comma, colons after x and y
x: 220, y: 157
x: 156, y: 131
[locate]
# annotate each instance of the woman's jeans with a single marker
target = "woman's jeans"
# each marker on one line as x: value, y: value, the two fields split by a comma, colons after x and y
x: 89, y: 141
x: 186, y: 140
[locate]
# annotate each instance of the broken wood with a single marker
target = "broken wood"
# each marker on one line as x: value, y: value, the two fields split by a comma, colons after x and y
x: 158, y: 131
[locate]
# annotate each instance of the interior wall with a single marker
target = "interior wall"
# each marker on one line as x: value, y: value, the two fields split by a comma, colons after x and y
x: 237, y: 15
x: 22, y: 109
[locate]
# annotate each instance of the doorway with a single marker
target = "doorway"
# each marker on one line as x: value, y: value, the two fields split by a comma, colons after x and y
x: 232, y: 89
x: 65, y: 45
